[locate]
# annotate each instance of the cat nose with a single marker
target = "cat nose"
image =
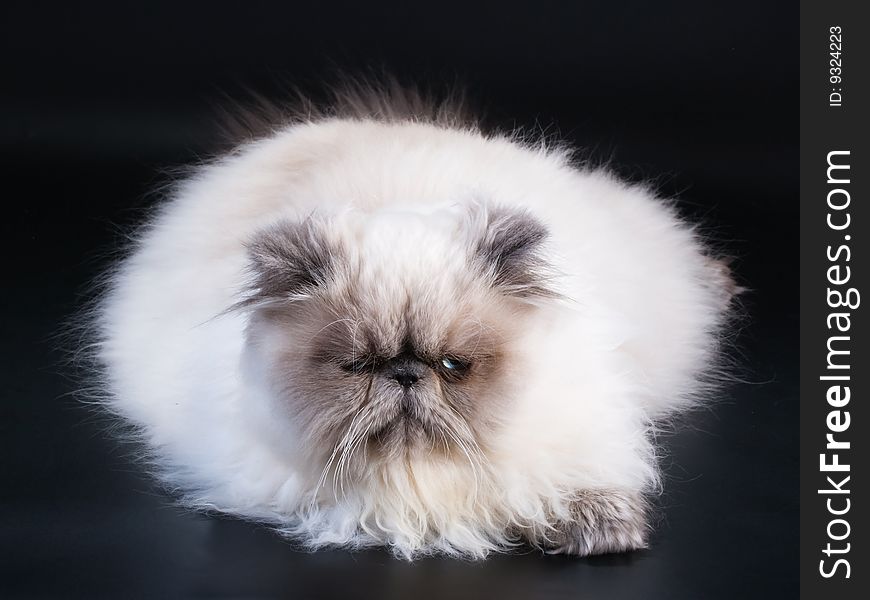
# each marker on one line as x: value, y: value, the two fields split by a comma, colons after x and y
x: 405, y: 371
x: 406, y: 378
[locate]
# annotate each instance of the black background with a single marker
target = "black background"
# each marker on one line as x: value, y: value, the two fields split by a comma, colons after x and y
x: 97, y: 101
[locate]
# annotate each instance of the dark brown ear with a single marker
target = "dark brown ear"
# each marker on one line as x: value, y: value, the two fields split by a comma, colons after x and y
x: 508, y: 248
x: 289, y: 260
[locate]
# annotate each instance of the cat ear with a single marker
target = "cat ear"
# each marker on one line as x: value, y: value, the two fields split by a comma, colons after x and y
x: 289, y: 259
x: 507, y: 244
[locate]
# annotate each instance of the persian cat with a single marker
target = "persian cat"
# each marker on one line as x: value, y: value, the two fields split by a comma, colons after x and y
x: 378, y: 324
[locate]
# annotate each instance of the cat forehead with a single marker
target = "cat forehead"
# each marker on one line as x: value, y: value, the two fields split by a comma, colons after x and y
x: 404, y: 242
x: 401, y: 262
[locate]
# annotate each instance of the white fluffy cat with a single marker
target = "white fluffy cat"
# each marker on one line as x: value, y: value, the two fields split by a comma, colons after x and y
x: 378, y: 325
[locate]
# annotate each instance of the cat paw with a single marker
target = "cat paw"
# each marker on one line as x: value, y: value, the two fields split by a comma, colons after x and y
x: 602, y: 522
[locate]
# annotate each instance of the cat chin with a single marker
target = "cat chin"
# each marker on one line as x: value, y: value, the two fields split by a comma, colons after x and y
x: 405, y: 436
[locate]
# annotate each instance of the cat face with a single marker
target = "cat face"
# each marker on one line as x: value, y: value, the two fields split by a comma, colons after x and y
x: 393, y: 335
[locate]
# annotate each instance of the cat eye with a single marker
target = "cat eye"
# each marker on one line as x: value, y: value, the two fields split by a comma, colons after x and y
x: 455, y: 366
x: 357, y: 366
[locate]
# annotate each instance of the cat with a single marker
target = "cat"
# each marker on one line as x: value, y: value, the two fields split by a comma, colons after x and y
x: 378, y: 324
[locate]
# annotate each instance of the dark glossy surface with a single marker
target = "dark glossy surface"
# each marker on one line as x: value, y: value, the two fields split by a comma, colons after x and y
x: 96, y: 102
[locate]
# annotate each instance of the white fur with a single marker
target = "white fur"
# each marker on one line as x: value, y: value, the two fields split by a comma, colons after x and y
x: 625, y: 349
